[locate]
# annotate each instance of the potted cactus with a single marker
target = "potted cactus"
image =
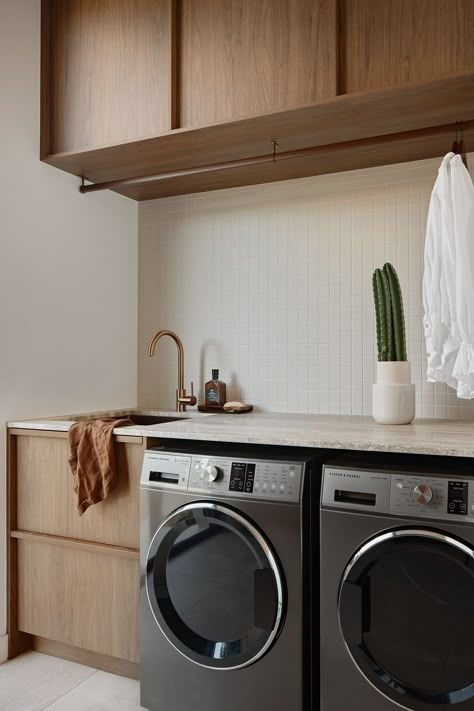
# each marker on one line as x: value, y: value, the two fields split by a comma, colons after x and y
x: 393, y: 395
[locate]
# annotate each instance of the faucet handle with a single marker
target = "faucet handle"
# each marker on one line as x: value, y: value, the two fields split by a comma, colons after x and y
x: 192, y: 397
x: 187, y: 399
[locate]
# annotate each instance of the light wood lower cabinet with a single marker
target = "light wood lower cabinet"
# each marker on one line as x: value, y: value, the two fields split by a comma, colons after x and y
x: 73, y: 584
x: 46, y: 499
x: 84, y: 599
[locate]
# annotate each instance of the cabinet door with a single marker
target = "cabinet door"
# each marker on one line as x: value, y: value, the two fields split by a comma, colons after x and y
x: 241, y: 57
x: 107, y: 71
x: 81, y: 598
x: 389, y: 42
x: 46, y: 499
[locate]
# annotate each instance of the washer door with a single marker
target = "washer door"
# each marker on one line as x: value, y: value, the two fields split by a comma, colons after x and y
x: 406, y: 613
x: 215, y: 586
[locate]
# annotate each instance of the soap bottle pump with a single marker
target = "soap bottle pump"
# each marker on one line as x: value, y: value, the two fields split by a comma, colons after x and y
x: 215, y: 391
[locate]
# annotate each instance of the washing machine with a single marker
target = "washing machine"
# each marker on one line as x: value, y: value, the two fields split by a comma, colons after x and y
x: 225, y: 550
x: 397, y: 588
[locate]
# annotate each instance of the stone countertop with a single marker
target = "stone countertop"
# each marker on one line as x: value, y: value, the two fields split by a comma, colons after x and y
x: 453, y: 438
x: 62, y: 423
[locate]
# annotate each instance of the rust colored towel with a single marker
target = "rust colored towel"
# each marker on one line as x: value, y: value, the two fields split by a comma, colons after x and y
x: 92, y: 459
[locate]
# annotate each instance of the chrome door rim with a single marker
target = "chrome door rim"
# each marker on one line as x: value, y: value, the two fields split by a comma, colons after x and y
x: 402, y: 533
x: 369, y: 545
x: 265, y: 546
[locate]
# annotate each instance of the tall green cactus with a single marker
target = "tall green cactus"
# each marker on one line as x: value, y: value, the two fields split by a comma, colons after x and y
x: 389, y: 315
x: 383, y: 312
x: 397, y: 311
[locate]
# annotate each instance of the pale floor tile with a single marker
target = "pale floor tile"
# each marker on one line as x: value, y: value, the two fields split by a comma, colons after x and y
x: 32, y: 681
x: 101, y: 692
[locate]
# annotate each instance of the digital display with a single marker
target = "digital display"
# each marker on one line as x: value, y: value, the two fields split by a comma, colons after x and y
x: 237, y: 476
x: 242, y: 477
x: 457, y: 497
x: 250, y: 478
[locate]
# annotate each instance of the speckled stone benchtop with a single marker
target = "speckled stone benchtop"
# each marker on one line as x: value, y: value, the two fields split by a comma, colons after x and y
x: 425, y: 436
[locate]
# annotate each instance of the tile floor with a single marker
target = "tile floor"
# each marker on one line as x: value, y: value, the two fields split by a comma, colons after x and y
x: 33, y: 682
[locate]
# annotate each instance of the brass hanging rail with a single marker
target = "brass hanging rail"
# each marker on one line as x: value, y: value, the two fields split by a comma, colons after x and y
x: 276, y: 157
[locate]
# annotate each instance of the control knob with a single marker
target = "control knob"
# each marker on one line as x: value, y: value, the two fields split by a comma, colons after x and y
x: 213, y: 473
x: 422, y: 493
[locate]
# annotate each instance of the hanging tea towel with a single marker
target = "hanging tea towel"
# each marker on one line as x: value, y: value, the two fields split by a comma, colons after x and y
x: 462, y: 190
x: 441, y: 345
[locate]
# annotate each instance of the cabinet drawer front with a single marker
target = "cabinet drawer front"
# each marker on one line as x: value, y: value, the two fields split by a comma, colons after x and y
x: 84, y: 599
x: 46, y: 499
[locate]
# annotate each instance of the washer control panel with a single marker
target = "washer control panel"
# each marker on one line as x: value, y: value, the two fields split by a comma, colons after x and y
x: 435, y: 497
x: 273, y: 480
x: 399, y: 493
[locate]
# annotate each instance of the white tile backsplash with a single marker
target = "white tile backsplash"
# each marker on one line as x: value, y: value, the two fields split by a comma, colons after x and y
x: 272, y: 285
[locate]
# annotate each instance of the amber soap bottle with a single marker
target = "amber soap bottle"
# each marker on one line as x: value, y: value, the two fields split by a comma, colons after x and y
x: 215, y: 391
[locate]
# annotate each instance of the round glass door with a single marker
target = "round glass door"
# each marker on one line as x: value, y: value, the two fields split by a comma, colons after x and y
x: 215, y: 586
x: 406, y: 603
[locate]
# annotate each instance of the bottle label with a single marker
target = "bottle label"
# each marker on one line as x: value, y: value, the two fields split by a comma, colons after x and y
x: 212, y: 395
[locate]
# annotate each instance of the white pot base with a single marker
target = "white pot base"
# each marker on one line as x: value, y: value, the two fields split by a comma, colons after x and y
x: 393, y: 404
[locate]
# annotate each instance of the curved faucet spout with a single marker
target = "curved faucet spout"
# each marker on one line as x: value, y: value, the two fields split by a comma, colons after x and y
x: 181, y: 398
x: 179, y: 346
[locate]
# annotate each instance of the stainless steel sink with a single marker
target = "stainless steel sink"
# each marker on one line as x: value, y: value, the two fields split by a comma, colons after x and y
x: 152, y: 419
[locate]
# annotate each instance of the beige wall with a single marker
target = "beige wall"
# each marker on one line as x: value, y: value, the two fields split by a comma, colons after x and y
x: 68, y: 279
x: 272, y: 285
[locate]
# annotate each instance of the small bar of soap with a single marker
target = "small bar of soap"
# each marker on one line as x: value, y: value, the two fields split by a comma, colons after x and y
x: 235, y: 406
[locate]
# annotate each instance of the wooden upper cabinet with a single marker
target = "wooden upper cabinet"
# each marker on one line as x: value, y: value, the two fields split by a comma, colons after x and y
x: 389, y: 42
x: 106, y: 72
x: 243, y: 57
x: 233, y: 75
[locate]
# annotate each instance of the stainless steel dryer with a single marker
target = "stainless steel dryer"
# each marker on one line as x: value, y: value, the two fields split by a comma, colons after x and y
x: 397, y: 589
x: 223, y: 546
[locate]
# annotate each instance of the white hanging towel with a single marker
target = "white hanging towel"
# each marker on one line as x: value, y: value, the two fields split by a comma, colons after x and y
x: 438, y: 281
x: 462, y: 191
x: 448, y: 280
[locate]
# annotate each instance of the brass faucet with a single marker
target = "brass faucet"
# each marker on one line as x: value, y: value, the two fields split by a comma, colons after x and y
x: 181, y: 398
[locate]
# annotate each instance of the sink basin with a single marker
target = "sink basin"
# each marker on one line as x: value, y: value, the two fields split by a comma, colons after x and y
x: 153, y: 419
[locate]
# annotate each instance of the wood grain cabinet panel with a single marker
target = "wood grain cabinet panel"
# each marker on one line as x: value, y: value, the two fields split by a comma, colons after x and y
x: 46, y: 499
x: 242, y: 57
x: 107, y: 71
x: 80, y: 598
x: 389, y: 42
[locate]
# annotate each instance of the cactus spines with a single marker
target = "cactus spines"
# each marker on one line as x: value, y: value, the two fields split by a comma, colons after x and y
x: 383, y: 314
x: 388, y: 309
x: 391, y: 343
x: 376, y: 284
x: 397, y: 311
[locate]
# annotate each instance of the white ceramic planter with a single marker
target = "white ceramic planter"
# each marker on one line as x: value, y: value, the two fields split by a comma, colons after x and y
x: 393, y: 395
